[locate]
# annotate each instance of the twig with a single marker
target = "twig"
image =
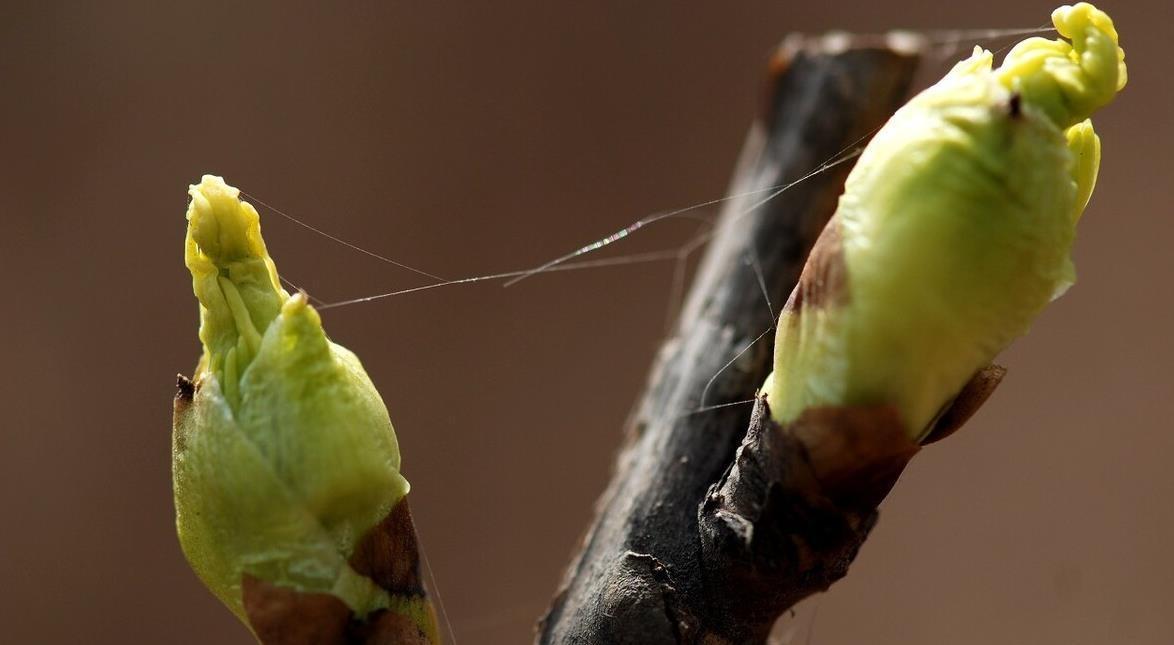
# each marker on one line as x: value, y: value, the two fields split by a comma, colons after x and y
x: 659, y: 565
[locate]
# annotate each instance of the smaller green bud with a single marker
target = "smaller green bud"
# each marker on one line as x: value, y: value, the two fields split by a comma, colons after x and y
x: 283, y: 454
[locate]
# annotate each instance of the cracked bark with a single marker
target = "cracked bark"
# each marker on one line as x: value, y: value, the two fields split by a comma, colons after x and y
x: 707, y: 531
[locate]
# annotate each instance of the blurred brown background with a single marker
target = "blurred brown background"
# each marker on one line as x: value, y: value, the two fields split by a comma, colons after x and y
x: 467, y: 138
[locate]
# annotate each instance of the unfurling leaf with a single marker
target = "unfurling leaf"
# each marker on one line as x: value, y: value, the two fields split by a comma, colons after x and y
x: 954, y: 229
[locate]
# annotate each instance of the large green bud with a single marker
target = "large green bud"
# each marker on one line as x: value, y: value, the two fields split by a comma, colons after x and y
x: 954, y: 230
x: 284, y: 456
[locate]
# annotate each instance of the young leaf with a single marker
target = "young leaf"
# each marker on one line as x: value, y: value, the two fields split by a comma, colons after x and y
x: 954, y: 229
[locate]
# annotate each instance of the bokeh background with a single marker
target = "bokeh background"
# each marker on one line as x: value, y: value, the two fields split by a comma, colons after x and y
x: 468, y: 138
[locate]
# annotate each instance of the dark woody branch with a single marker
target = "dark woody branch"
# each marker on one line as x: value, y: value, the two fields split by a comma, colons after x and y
x: 707, y: 531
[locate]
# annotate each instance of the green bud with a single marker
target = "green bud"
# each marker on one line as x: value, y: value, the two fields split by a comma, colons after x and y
x: 283, y: 453
x: 954, y: 230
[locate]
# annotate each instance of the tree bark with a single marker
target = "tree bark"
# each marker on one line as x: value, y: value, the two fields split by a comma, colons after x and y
x: 708, y: 532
